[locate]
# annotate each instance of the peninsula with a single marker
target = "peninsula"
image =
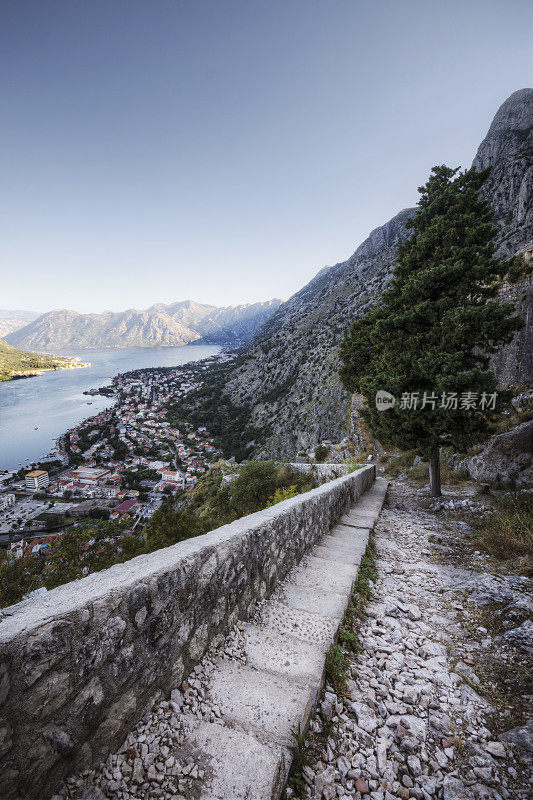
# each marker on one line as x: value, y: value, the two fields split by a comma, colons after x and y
x: 15, y: 363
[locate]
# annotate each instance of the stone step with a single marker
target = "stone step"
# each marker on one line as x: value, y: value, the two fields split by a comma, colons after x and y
x: 319, y: 574
x: 235, y: 762
x: 269, y: 650
x: 300, y: 624
x: 346, y: 535
x: 323, y: 603
x: 359, y: 520
x: 364, y: 514
x: 338, y: 554
x: 263, y: 702
x: 267, y: 704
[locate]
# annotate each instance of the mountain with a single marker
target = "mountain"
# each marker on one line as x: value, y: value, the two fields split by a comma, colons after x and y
x: 62, y: 328
x: 286, y: 376
x: 11, y: 321
x: 225, y: 324
x: 508, y: 149
x: 18, y: 363
x: 235, y: 323
x: 160, y: 325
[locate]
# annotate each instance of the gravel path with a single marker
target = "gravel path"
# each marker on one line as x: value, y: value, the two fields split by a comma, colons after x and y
x: 417, y: 722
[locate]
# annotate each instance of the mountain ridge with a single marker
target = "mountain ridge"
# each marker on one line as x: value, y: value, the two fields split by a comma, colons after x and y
x: 164, y: 325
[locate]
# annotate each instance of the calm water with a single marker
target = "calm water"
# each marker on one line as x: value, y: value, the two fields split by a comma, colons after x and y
x: 54, y: 401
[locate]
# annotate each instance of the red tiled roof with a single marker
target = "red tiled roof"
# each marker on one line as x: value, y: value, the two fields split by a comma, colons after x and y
x: 124, y: 507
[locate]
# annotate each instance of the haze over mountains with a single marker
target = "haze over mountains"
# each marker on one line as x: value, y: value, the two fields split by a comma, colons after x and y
x: 14, y: 320
x: 161, y: 325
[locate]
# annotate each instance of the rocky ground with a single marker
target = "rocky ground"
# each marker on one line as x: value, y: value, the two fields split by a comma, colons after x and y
x: 446, y: 648
x: 437, y: 701
x: 150, y: 763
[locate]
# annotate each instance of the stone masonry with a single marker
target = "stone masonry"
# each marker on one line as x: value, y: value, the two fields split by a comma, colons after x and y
x: 80, y: 665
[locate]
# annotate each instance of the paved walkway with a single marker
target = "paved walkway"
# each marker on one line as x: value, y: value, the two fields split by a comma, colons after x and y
x: 226, y: 733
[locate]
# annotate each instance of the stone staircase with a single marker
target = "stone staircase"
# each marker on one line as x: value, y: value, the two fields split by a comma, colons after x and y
x: 246, y: 752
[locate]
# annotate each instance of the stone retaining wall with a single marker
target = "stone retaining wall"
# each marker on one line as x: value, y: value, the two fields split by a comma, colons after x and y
x: 323, y: 471
x: 80, y: 665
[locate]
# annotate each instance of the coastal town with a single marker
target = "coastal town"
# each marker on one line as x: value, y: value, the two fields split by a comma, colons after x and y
x: 119, y: 465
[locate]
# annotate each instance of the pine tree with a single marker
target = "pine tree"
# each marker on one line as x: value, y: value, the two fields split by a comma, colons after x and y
x: 429, y: 342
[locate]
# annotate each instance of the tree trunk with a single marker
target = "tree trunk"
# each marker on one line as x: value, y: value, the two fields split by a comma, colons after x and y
x: 434, y: 476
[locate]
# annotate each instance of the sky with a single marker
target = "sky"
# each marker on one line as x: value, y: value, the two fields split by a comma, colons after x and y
x: 161, y: 150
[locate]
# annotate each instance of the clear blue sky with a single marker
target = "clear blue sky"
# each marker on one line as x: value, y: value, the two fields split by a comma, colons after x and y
x: 226, y: 150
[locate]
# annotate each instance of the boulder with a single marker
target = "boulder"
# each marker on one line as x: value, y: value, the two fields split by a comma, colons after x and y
x: 521, y: 637
x: 521, y: 736
x: 505, y: 458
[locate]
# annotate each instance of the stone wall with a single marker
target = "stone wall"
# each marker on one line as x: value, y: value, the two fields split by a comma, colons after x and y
x: 80, y: 665
x: 322, y: 472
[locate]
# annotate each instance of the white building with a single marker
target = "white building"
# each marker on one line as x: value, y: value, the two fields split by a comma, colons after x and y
x: 170, y: 476
x: 156, y: 465
x: 6, y: 500
x: 37, y: 479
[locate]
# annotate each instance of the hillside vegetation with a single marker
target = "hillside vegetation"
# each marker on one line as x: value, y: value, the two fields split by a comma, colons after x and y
x: 15, y: 362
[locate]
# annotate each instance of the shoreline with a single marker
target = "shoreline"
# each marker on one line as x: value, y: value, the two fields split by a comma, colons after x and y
x: 106, y: 400
x: 34, y: 373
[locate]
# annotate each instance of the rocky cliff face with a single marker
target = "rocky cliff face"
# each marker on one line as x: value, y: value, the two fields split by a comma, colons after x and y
x: 508, y: 149
x: 288, y: 372
x: 235, y: 323
x: 160, y: 325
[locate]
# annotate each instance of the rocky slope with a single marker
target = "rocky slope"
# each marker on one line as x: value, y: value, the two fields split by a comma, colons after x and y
x: 288, y: 370
x: 508, y: 149
x: 160, y: 325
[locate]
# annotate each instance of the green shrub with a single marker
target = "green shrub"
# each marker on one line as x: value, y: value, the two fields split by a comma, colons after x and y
x: 321, y: 453
x: 336, y: 668
x: 281, y: 494
x: 256, y: 483
x: 18, y: 576
x: 420, y: 473
x: 301, y: 758
x: 349, y: 639
x: 401, y: 462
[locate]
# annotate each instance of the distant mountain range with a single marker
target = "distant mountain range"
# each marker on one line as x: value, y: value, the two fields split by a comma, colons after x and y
x: 13, y: 320
x: 160, y: 325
